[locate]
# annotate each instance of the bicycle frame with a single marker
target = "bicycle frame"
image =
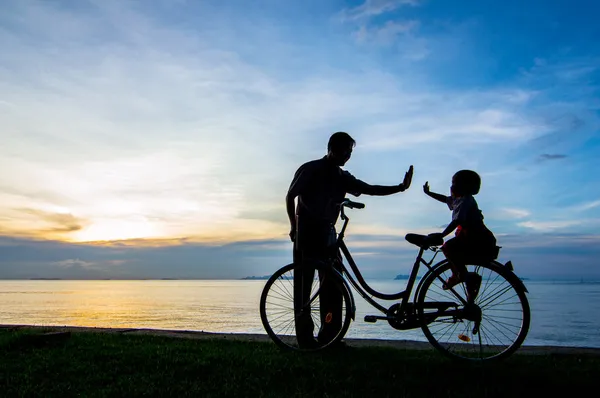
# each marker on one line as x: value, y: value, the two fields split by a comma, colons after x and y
x: 363, y: 288
x: 459, y: 321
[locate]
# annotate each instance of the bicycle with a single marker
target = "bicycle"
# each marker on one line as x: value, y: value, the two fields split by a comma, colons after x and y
x: 461, y: 322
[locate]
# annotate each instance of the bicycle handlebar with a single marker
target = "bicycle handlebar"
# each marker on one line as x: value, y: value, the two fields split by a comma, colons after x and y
x: 352, y: 205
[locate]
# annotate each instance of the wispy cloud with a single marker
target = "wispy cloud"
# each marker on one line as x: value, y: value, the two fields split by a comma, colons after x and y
x: 400, y: 33
x: 587, y: 206
x: 386, y: 33
x: 73, y: 263
x: 477, y: 123
x: 38, y: 222
x: 549, y: 226
x: 371, y: 8
x: 516, y: 213
x: 550, y: 156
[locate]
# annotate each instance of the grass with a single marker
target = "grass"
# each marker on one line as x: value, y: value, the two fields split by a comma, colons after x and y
x: 107, y: 365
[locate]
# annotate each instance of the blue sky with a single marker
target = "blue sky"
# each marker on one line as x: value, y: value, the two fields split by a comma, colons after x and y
x: 134, y: 131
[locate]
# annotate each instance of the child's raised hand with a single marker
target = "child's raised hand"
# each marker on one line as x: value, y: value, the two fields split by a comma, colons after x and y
x: 426, y: 187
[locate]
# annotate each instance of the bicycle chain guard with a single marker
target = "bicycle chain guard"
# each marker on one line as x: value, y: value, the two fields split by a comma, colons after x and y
x: 403, y: 320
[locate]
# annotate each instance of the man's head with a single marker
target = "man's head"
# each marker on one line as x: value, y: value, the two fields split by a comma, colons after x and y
x: 465, y: 182
x: 339, y: 147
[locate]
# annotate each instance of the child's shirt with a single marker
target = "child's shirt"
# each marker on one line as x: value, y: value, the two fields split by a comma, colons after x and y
x: 465, y: 211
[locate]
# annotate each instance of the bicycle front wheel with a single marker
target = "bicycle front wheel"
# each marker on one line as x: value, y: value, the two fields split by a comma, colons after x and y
x: 317, y: 321
x: 493, y: 325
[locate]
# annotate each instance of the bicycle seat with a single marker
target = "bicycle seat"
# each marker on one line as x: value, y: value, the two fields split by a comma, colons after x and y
x: 423, y: 241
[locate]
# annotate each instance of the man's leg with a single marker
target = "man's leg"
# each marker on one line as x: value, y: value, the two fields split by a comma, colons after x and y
x: 303, y: 279
x: 331, y: 303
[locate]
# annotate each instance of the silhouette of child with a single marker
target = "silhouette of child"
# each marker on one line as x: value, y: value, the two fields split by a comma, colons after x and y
x: 473, y: 240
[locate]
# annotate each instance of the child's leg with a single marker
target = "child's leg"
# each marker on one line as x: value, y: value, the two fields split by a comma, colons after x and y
x: 454, y: 249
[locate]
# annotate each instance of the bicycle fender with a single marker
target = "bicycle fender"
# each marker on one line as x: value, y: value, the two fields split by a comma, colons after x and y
x: 521, y: 284
x: 352, y: 303
x: 508, y: 267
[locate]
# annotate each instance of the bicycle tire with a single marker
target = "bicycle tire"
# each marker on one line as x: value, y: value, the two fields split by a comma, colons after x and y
x: 501, y: 317
x: 277, y: 308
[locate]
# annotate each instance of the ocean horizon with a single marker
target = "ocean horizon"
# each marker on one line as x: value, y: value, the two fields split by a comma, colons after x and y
x: 584, y: 280
x: 565, y: 313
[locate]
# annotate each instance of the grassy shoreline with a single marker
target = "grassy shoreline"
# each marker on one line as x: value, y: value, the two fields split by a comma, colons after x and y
x: 113, y: 364
x: 354, y: 342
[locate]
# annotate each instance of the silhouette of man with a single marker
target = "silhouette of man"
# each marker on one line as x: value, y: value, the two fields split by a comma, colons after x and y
x: 321, y: 185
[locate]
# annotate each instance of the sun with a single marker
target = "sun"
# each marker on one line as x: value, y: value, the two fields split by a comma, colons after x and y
x: 111, y: 230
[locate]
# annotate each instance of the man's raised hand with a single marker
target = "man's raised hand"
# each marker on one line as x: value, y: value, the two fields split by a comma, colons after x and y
x: 407, y: 178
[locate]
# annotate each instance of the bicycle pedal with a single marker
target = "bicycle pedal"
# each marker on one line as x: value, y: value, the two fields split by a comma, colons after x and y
x: 370, y: 318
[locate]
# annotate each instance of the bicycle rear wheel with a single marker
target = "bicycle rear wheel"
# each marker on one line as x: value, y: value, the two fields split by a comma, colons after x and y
x: 492, y: 327
x: 280, y: 319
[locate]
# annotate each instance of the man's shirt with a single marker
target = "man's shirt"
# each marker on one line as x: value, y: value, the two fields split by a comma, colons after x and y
x: 321, y: 186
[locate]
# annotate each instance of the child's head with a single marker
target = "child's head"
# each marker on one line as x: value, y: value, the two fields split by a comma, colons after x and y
x: 465, y: 182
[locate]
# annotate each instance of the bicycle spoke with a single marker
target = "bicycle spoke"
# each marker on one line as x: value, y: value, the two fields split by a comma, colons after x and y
x: 279, y: 295
x: 277, y: 313
x: 495, y: 290
x: 491, y: 339
x: 499, y: 303
x: 281, y: 316
x: 290, y: 329
x: 506, y: 317
x: 286, y: 284
x: 488, y: 341
x: 285, y: 326
x: 445, y: 293
x: 503, y: 325
x: 280, y: 305
x: 495, y: 319
x: 489, y: 284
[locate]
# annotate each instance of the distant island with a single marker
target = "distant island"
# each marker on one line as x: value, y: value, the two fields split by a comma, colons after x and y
x: 45, y: 279
x: 256, y: 278
x: 402, y: 277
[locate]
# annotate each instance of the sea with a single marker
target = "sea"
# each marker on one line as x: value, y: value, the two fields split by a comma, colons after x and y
x: 563, y: 313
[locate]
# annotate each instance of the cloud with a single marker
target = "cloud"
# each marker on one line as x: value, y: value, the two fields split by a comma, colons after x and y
x: 37, y: 222
x: 73, y: 263
x: 28, y: 258
x: 546, y: 226
x: 587, y: 206
x: 401, y: 34
x: 547, y: 156
x: 485, y: 124
x: 532, y: 254
x: 385, y: 34
x: 372, y: 8
x: 61, y: 222
x: 516, y: 213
